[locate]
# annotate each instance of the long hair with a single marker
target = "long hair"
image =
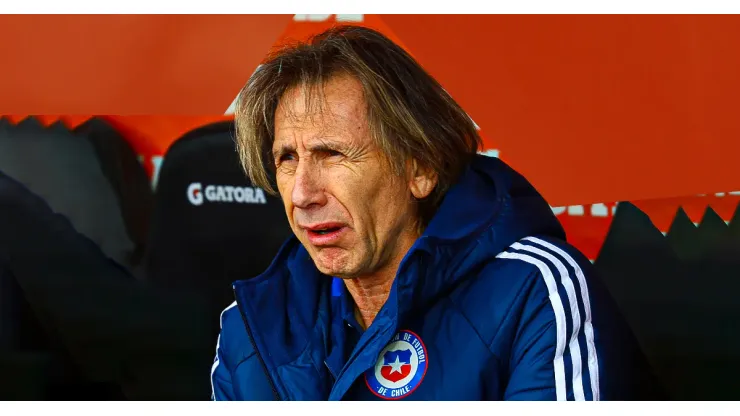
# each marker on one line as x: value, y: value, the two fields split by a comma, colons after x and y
x: 410, y: 115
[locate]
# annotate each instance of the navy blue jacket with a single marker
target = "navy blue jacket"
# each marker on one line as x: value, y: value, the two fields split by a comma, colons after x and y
x: 490, y: 303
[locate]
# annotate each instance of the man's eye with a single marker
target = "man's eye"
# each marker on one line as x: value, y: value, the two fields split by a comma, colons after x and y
x: 333, y: 153
x: 286, y: 157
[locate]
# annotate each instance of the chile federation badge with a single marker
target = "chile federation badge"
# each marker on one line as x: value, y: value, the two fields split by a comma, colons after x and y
x: 400, y: 368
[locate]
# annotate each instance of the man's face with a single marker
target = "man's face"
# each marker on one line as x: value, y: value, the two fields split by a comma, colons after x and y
x: 342, y: 200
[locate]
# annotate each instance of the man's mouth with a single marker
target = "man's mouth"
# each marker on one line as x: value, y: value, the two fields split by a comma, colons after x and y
x: 324, y: 231
x: 325, y: 234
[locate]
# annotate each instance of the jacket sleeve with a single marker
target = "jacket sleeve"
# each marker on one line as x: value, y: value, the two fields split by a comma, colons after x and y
x: 221, y: 387
x: 537, y: 366
x: 554, y: 353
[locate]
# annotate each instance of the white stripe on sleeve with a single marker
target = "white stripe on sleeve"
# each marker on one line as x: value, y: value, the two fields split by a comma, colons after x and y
x: 557, y: 306
x: 575, y: 348
x: 588, y: 329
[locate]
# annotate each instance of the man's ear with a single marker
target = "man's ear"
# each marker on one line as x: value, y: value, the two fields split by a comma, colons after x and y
x: 423, y: 180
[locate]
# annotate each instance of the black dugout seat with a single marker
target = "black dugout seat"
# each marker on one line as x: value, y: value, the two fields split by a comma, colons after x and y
x: 679, y: 294
x: 210, y: 225
x: 128, y: 179
x: 121, y: 337
x: 92, y: 178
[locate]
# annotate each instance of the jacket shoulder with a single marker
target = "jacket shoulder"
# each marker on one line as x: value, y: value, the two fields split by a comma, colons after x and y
x: 531, y: 274
x: 546, y: 288
x: 234, y: 341
x: 237, y: 373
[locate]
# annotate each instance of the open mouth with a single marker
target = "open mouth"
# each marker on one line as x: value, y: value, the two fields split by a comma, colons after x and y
x: 325, y: 231
x: 325, y: 234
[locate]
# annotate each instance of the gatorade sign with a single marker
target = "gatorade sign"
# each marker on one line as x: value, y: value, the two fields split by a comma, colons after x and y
x: 224, y: 194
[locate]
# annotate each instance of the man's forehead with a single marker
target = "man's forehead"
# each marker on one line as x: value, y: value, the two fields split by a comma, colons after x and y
x: 317, y: 121
x: 310, y: 128
x: 320, y: 113
x: 339, y: 98
x: 328, y: 116
x: 324, y: 137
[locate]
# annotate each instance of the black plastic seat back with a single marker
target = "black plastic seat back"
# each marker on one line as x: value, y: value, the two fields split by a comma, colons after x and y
x: 91, y: 176
x: 127, y: 177
x: 679, y: 295
x: 210, y: 225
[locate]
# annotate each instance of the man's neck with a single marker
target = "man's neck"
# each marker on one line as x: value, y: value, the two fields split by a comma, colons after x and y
x: 371, y: 292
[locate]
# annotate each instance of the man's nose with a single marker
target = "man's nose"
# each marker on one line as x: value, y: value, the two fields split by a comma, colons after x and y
x: 308, y: 189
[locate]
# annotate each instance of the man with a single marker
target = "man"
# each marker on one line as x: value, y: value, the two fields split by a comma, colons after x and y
x: 419, y: 269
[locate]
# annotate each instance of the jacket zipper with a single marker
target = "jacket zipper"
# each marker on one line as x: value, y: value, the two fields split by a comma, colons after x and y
x: 257, y: 353
x: 333, y: 376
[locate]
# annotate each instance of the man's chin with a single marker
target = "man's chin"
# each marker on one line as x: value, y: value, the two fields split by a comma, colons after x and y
x: 333, y: 263
x: 334, y: 271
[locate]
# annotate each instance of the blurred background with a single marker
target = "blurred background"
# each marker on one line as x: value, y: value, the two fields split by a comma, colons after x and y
x: 627, y: 125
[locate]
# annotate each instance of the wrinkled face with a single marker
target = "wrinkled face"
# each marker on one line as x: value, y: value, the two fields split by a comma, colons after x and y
x: 342, y: 201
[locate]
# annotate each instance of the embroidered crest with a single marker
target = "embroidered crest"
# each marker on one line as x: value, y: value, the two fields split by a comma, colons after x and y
x: 400, y: 368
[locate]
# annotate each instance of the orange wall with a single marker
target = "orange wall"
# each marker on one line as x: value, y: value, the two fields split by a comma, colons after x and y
x: 593, y: 109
